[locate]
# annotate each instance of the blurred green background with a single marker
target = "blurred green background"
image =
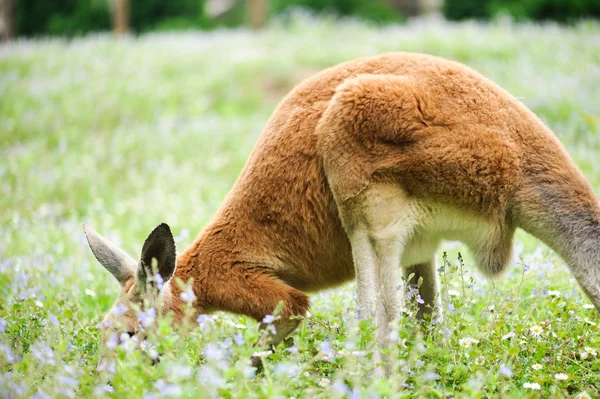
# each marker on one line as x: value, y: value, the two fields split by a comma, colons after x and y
x: 77, y: 17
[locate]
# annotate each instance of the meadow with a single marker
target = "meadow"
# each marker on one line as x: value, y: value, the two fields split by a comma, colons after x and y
x: 127, y: 133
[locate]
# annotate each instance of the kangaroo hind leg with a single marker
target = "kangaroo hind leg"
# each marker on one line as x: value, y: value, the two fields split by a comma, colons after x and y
x: 379, y: 223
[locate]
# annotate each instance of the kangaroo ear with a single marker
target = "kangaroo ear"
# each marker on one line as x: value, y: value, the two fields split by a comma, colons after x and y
x: 113, y: 258
x: 159, y: 245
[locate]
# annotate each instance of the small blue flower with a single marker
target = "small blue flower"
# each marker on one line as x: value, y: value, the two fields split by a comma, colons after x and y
x: 213, y: 352
x: 147, y: 318
x: 208, y: 376
x: 7, y: 352
x: 68, y: 381
x: 103, y: 389
x: 505, y: 371
x: 2, y: 325
x: 340, y: 388
x: 188, y: 296
x: 431, y: 376
x: 40, y: 395
x: 286, y: 369
x: 119, y: 310
x: 112, y: 342
x: 159, y: 281
x: 167, y: 389
x: 326, y: 348
x: 239, y: 339
x: 419, y: 299
x: 43, y: 352
x: 268, y: 319
x: 53, y: 319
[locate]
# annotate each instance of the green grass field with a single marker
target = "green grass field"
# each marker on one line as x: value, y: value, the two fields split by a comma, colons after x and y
x: 129, y: 133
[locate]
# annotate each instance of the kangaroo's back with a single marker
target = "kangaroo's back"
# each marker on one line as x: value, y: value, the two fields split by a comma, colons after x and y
x: 282, y: 201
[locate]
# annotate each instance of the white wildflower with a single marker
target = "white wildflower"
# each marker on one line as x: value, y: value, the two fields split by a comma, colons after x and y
x: 467, y: 342
x: 262, y: 353
x: 591, y: 351
x: 536, y: 330
x: 561, y: 376
x: 324, y: 382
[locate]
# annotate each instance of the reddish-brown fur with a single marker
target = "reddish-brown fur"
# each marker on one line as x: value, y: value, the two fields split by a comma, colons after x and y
x: 436, y: 129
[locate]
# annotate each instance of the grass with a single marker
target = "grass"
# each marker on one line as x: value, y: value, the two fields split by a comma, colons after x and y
x: 128, y: 133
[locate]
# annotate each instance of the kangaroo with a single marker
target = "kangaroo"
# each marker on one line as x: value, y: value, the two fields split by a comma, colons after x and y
x: 362, y: 171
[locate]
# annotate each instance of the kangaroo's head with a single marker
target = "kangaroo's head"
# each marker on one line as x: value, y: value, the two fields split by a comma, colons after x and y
x: 143, y: 283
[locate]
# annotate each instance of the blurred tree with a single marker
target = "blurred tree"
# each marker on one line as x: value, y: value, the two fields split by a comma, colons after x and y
x: 537, y: 10
x: 258, y: 13
x: 558, y: 10
x: 462, y: 9
x: 416, y: 7
x: 7, y: 20
x: 65, y: 17
x: 148, y: 15
x: 120, y: 11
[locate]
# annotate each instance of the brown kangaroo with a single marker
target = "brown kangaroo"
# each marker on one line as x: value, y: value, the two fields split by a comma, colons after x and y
x: 361, y: 171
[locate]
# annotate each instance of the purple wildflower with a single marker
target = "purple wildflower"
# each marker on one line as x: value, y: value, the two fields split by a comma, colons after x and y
x: 44, y: 353
x: 53, y: 319
x: 505, y: 371
x: 188, y: 296
x: 286, y: 369
x: 431, y: 376
x: 213, y: 352
x: 8, y: 355
x: 112, y: 342
x: 119, y: 310
x: 40, y: 395
x: 147, y: 318
x: 340, y: 388
x: 239, y: 339
x: 159, y: 281
x: 326, y: 348
x: 167, y: 389
x: 210, y: 377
